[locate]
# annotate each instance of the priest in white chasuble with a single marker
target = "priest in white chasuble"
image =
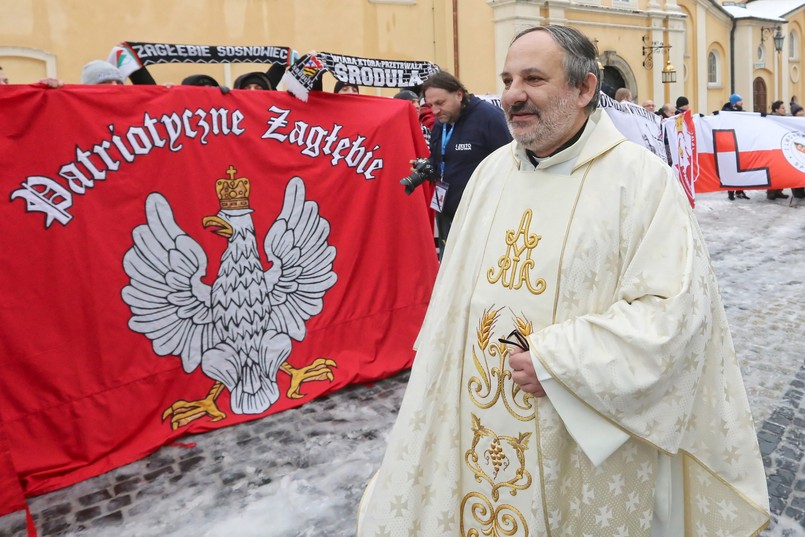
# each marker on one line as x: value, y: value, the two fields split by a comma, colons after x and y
x: 575, y: 375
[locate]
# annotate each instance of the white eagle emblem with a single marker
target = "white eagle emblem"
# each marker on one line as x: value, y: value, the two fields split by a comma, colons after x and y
x: 240, y: 329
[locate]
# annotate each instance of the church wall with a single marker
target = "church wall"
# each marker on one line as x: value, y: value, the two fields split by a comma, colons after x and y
x: 55, y: 38
x: 717, y: 39
x: 620, y: 40
x: 793, y: 65
x: 476, y: 46
x: 77, y: 32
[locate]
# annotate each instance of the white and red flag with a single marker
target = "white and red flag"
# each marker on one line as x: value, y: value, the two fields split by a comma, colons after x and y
x: 680, y: 131
x: 741, y: 151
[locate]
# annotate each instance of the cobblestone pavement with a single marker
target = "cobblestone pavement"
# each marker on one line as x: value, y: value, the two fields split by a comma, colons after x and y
x: 226, y: 469
x: 314, y: 461
x: 758, y: 252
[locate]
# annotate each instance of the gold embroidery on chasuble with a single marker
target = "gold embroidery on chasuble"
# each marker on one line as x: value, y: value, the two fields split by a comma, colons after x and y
x: 495, y: 460
x: 492, y: 380
x: 499, y: 487
x: 512, y: 269
x: 523, y: 475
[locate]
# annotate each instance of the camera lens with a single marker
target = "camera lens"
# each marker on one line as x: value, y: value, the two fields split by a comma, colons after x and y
x: 422, y: 172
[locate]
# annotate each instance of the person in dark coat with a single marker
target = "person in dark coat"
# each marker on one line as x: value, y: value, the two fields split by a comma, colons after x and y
x: 797, y: 111
x: 777, y: 109
x: 200, y: 80
x: 253, y: 81
x: 346, y: 87
x: 682, y: 104
x: 466, y: 131
x: 735, y: 104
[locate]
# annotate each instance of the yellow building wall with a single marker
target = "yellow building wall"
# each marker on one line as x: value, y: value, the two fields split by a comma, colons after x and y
x: 688, y: 71
x: 476, y: 46
x: 718, y: 93
x: 794, y: 73
x: 620, y: 35
x: 718, y: 40
x: 76, y: 31
x: 80, y: 31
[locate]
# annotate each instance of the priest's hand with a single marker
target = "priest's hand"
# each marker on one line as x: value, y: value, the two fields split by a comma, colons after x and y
x: 523, y: 373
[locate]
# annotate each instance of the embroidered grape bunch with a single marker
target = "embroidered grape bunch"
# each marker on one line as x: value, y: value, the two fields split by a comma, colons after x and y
x: 496, y: 457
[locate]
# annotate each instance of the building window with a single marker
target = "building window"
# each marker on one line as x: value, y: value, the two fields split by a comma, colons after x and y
x: 712, y: 68
x: 761, y: 54
x: 793, y: 45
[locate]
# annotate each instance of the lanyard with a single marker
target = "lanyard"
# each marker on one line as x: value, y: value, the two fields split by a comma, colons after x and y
x: 447, y: 132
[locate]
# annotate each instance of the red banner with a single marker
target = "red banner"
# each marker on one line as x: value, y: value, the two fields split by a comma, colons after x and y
x: 12, y: 497
x: 179, y: 259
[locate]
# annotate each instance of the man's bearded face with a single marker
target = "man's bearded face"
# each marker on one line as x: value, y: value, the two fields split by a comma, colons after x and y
x: 542, y: 110
x: 536, y: 126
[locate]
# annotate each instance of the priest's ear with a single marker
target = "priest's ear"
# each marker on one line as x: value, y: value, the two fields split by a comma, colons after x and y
x: 588, y: 88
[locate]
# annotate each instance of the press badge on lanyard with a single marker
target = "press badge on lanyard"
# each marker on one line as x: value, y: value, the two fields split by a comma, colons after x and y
x: 437, y: 202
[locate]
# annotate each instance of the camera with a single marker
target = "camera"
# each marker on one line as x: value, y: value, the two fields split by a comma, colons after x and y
x: 422, y: 172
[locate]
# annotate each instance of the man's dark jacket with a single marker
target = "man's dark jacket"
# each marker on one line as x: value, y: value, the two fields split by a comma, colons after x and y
x: 481, y: 128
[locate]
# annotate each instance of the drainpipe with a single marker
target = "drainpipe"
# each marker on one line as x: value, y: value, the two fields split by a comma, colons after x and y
x: 433, y: 24
x: 732, y: 57
x: 455, y: 39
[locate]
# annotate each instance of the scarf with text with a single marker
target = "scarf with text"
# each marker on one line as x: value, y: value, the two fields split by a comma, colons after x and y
x: 129, y: 56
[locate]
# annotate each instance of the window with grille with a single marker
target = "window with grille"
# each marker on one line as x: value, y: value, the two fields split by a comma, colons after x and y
x: 712, y: 68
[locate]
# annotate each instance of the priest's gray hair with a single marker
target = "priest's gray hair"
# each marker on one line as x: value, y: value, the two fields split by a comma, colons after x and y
x: 581, y: 56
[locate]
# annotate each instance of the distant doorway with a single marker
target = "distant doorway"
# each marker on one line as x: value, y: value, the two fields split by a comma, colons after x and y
x: 612, y: 81
x: 759, y: 95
